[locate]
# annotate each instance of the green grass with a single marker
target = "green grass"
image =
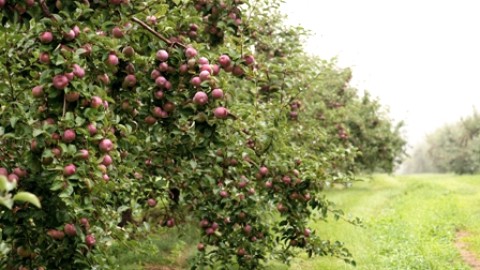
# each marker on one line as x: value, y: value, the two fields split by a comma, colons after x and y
x: 410, y: 222
x: 165, y: 247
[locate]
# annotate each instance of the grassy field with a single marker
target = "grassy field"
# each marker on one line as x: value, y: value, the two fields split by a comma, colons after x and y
x: 409, y: 222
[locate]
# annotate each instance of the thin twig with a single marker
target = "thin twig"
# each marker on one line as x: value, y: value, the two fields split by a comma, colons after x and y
x: 45, y: 10
x: 64, y: 105
x: 158, y: 35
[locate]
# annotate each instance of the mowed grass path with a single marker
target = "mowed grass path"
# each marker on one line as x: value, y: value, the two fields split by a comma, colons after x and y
x: 410, y: 222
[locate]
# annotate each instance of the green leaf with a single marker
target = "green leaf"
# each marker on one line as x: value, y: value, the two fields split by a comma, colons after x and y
x: 193, y: 164
x: 13, y: 121
x: 6, y: 185
x: 7, y: 202
x: 27, y: 197
x: 37, y: 132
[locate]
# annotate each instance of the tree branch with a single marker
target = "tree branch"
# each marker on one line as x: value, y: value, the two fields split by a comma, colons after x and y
x: 45, y: 10
x: 158, y: 35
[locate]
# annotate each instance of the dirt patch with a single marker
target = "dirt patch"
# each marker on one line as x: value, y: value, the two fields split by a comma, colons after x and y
x: 467, y: 255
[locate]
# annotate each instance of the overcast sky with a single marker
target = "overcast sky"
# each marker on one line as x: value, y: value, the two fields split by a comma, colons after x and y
x: 420, y: 57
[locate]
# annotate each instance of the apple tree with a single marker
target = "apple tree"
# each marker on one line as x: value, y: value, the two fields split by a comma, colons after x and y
x: 111, y: 107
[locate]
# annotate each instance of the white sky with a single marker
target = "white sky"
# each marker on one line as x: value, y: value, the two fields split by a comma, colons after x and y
x: 420, y: 57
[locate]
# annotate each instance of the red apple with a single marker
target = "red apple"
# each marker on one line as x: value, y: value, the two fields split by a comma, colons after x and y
x: 60, y: 81
x: 238, y: 71
x: 204, y: 223
x: 69, y: 76
x: 69, y: 35
x: 78, y: 71
x: 154, y: 74
x: 128, y: 51
x: 206, y: 68
x: 160, y: 81
x: 204, y: 75
x: 151, y: 19
x: 163, y: 67
x: 104, y: 78
x: 56, y: 234
x: 90, y: 239
x: 88, y: 49
x: 241, y: 252
x: 83, y: 154
x: 263, y: 171
x: 69, y: 135
x: 161, y: 55
x: 200, y: 98
x: 196, y: 81
x: 169, y: 107
x: 242, y: 184
x: 117, y: 32
x: 223, y: 194
x: 215, y: 69
x: 72, y: 96
x: 268, y: 184
x: 107, y: 160
x: 84, y: 222
x: 96, y: 102
x: 220, y: 113
x: 76, y: 30
x: 37, y: 91
x: 106, y: 145
x: 46, y: 37
x: 170, y: 222
x: 70, y: 230
x: 159, y: 94
x: 157, y: 112
x: 217, y: 93
x: 249, y: 60
x: 190, y: 52
x: 69, y: 170
x: 92, y: 129
x: 13, y: 177
x: 183, y: 69
x: 20, y: 172
x: 203, y: 61
x: 247, y: 229
x: 130, y: 80
x: 44, y: 58
x: 112, y: 60
x: 209, y: 231
x: 151, y: 202
x: 224, y: 60
x: 56, y: 152
x: 150, y: 120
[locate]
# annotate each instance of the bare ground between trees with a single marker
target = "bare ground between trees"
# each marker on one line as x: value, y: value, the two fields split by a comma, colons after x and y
x: 466, y: 254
